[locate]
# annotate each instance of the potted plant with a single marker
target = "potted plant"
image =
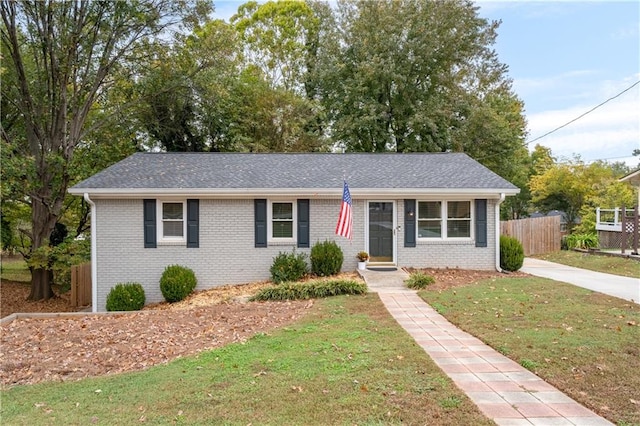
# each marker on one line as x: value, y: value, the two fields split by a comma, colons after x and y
x: 362, y: 256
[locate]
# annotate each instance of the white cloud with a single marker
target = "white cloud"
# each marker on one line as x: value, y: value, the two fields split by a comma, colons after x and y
x: 611, y: 131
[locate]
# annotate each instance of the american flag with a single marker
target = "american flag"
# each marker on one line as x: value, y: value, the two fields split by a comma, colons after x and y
x: 344, y: 226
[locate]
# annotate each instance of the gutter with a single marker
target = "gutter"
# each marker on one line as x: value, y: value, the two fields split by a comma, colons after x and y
x: 497, y: 228
x: 94, y: 256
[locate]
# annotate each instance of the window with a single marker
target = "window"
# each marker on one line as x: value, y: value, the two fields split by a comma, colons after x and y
x: 172, y: 221
x: 459, y: 219
x: 281, y: 221
x: 429, y: 219
x: 444, y: 219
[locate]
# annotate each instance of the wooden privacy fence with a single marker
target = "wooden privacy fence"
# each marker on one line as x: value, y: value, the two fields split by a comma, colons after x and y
x: 538, y: 235
x: 81, y: 285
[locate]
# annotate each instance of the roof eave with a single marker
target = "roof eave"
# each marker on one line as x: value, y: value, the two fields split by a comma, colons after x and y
x: 243, y: 193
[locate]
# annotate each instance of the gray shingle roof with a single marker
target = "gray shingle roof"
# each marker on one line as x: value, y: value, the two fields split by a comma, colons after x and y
x: 227, y: 171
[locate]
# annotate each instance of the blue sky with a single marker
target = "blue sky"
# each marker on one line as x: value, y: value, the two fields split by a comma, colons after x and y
x: 566, y: 57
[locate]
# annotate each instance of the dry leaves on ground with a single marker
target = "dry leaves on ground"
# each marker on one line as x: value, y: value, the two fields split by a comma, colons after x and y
x: 70, y: 348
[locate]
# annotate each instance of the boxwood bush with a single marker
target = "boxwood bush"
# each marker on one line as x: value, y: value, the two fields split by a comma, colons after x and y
x: 177, y: 282
x: 310, y: 290
x: 326, y: 258
x: 126, y: 297
x: 288, y: 267
x: 511, y: 253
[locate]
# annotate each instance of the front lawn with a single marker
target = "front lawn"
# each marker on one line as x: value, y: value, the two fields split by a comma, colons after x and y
x: 593, y: 262
x: 346, y: 362
x: 586, y: 344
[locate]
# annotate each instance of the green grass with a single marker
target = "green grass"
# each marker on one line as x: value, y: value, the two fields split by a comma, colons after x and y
x: 14, y: 269
x: 608, y: 264
x: 584, y: 343
x: 347, y: 362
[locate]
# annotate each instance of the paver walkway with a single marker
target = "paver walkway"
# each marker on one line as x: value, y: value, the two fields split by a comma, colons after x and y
x: 502, y: 389
x: 613, y: 285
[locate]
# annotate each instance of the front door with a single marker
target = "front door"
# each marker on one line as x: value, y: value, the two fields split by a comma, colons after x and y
x: 381, y: 231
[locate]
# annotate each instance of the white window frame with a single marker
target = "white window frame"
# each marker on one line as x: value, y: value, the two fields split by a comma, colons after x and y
x: 160, y: 223
x: 444, y: 219
x: 294, y: 220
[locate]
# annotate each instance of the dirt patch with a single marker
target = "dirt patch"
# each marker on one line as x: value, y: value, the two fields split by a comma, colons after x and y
x: 447, y: 278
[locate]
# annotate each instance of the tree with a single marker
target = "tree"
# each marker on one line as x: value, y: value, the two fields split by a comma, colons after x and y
x: 62, y: 57
x: 408, y: 76
x: 574, y: 186
x: 279, y: 37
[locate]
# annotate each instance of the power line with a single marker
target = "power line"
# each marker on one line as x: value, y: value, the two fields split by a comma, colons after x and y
x: 582, y: 115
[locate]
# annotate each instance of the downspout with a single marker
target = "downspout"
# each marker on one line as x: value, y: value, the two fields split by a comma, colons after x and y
x: 94, y: 256
x: 497, y: 233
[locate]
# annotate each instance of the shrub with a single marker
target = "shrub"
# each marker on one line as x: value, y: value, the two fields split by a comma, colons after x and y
x: 582, y: 241
x: 177, y: 282
x: 564, y: 245
x: 126, y: 297
x: 288, y: 267
x: 419, y: 280
x: 310, y: 290
x: 511, y: 253
x: 326, y: 258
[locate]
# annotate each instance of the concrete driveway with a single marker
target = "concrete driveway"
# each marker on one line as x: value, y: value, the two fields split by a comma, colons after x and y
x: 613, y: 285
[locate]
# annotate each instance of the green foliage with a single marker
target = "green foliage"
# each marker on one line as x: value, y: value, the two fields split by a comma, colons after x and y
x: 511, y: 253
x: 177, y: 282
x: 577, y: 189
x: 288, y: 267
x: 61, y: 258
x: 310, y: 290
x: 126, y: 297
x: 419, y: 280
x: 582, y: 241
x: 326, y: 258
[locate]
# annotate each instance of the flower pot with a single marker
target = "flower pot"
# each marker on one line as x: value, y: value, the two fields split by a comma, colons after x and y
x: 362, y: 266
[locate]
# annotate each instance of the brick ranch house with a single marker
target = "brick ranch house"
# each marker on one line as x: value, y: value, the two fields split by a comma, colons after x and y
x: 227, y: 215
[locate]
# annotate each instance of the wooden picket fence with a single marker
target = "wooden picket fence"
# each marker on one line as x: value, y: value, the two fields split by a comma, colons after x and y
x: 81, y: 285
x: 538, y: 235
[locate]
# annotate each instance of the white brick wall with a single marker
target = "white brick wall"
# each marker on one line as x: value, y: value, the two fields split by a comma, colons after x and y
x: 227, y: 254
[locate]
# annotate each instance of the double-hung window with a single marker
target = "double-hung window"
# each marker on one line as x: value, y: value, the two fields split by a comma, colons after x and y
x: 282, y: 221
x: 444, y: 220
x: 171, y: 215
x: 458, y: 219
x: 430, y: 219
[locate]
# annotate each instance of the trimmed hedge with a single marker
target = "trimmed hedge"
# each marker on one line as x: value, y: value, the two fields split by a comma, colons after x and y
x: 126, y: 297
x: 326, y: 258
x: 310, y: 290
x: 288, y: 267
x: 177, y: 282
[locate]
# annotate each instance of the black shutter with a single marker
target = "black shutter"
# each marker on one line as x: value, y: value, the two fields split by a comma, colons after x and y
x: 150, y: 233
x: 481, y: 223
x: 410, y: 223
x: 260, y: 222
x: 193, y: 227
x: 303, y: 223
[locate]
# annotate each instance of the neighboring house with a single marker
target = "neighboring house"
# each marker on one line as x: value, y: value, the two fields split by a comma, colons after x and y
x: 609, y: 221
x: 227, y: 215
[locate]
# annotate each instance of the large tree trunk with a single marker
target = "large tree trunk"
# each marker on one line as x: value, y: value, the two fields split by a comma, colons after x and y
x: 43, y: 221
x: 40, y: 285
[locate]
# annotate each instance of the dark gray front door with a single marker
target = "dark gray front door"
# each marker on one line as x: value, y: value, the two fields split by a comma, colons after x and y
x: 381, y: 232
